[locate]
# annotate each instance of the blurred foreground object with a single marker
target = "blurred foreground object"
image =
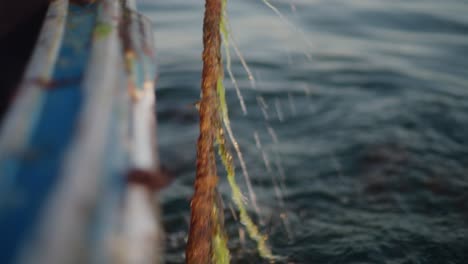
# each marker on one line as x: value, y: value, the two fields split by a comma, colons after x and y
x: 78, y: 161
x: 17, y: 12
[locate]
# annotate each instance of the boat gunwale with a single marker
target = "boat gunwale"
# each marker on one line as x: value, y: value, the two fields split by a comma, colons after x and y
x: 64, y: 225
x: 20, y: 119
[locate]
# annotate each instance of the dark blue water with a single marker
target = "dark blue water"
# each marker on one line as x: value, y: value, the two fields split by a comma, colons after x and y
x: 362, y: 116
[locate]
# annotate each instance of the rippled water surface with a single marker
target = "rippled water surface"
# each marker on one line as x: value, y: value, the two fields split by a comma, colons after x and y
x: 360, y: 110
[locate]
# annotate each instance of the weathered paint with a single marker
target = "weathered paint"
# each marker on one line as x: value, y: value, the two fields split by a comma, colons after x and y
x: 18, y: 200
x: 141, y: 226
x: 73, y: 137
x: 38, y: 176
x: 65, y: 225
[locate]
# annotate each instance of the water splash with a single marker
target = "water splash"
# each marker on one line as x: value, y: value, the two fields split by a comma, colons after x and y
x: 291, y: 25
x: 225, y: 35
x: 226, y: 156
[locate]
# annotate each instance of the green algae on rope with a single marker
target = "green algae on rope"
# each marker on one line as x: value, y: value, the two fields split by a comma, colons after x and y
x: 226, y: 156
x: 207, y: 241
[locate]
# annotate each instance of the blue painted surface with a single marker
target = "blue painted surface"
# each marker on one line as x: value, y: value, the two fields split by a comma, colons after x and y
x: 40, y: 164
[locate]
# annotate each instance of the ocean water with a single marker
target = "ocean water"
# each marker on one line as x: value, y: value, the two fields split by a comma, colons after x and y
x: 356, y: 135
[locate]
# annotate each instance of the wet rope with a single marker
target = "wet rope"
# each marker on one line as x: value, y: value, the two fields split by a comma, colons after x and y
x: 207, y: 241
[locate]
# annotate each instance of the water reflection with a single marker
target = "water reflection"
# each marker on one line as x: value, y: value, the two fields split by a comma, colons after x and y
x: 366, y: 138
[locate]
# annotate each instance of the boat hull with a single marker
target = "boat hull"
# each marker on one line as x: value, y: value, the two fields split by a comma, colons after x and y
x: 82, y: 123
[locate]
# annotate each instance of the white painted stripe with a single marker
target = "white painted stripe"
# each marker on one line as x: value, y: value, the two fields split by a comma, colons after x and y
x: 141, y: 234
x: 143, y: 149
x: 144, y: 154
